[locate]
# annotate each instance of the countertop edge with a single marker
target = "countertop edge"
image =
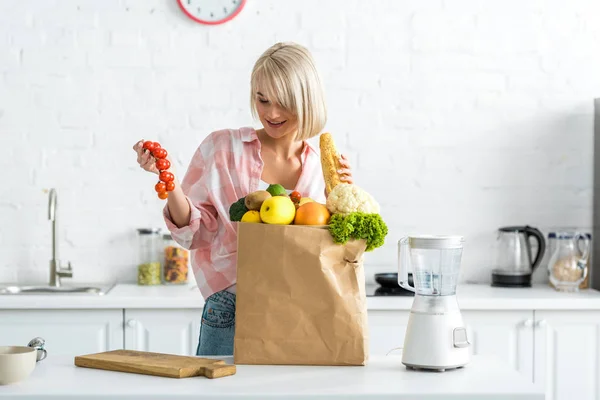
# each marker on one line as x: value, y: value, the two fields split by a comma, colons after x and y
x: 470, y: 297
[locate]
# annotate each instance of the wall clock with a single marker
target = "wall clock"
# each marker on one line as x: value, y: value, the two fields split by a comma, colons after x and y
x: 211, y: 12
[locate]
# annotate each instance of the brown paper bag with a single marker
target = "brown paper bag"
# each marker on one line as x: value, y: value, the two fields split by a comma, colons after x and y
x: 300, y: 297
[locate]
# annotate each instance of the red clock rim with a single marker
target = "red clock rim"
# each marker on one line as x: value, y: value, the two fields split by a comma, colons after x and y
x: 229, y: 18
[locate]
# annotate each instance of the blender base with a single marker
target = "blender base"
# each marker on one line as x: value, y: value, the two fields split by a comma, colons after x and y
x: 431, y: 368
x: 436, y: 337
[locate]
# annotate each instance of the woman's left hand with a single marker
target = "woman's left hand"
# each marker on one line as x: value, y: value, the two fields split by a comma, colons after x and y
x: 345, y: 172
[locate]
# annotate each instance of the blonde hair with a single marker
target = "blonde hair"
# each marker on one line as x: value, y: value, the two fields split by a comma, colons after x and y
x: 286, y: 74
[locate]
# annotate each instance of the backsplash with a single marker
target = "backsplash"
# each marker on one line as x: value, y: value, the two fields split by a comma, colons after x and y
x: 459, y: 116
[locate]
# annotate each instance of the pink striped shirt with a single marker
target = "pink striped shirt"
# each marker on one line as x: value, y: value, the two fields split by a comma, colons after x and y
x: 227, y: 166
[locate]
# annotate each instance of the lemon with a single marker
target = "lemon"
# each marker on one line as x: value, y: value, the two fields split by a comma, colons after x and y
x: 305, y: 200
x: 251, y: 216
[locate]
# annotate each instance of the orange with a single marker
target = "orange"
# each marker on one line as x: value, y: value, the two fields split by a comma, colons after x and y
x: 312, y: 213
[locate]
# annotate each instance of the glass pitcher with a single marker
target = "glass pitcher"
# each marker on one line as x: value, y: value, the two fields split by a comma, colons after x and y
x: 435, y: 262
x: 568, y: 264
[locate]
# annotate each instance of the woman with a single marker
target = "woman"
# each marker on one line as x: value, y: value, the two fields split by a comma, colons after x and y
x: 287, y: 97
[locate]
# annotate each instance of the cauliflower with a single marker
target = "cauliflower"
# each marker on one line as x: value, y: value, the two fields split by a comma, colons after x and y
x: 346, y: 198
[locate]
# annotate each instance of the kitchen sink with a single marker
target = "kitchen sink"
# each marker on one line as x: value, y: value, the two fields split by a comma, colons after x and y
x: 97, y: 290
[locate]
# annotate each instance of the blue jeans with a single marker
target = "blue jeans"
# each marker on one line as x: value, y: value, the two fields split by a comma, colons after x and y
x: 218, y: 325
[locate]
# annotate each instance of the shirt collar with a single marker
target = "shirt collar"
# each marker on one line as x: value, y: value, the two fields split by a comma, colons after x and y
x: 248, y: 134
x: 308, y: 147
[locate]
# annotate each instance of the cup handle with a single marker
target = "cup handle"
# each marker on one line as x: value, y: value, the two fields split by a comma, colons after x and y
x: 38, y: 343
x: 42, y: 353
x: 586, y: 249
x: 402, y: 268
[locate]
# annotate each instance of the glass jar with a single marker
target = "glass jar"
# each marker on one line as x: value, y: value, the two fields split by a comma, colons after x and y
x: 175, y: 263
x: 568, y: 264
x: 148, y: 270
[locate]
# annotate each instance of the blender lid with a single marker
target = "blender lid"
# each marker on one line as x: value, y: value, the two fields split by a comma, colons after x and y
x: 435, y: 242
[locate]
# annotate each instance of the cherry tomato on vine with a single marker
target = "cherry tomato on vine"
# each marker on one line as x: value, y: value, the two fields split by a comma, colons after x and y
x: 166, y: 176
x: 159, y: 153
x: 160, y: 187
x: 148, y: 145
x: 170, y: 186
x: 162, y: 164
x: 156, y: 145
x: 163, y: 195
x: 295, y: 196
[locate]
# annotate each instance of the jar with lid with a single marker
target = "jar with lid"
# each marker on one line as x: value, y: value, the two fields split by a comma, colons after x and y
x: 568, y: 264
x: 148, y: 270
x: 175, y: 262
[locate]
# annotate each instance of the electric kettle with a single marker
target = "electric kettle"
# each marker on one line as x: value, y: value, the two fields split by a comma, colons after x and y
x: 514, y: 263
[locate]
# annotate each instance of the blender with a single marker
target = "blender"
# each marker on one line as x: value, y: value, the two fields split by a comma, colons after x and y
x: 436, y: 337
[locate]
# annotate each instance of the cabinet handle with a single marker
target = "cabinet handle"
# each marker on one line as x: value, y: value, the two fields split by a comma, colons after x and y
x: 131, y: 323
x: 528, y: 323
x: 541, y: 323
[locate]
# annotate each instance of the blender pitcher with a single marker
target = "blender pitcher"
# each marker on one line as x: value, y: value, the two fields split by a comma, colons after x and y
x: 436, y: 337
x: 435, y: 261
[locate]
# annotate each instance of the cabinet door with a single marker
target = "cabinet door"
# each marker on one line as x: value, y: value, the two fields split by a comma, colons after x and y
x: 173, y: 331
x: 567, y: 354
x: 505, y: 334
x: 386, y: 331
x: 66, y: 332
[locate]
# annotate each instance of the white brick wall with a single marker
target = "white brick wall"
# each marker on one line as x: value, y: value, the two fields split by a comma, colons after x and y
x: 459, y: 115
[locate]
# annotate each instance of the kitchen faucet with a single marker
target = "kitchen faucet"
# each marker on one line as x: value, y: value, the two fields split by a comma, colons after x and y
x: 56, y: 271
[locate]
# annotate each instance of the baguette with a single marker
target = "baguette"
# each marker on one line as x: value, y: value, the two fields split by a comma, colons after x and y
x: 329, y: 162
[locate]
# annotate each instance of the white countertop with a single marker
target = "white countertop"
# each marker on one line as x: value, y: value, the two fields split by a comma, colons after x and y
x: 470, y: 297
x: 383, y: 377
x: 485, y: 297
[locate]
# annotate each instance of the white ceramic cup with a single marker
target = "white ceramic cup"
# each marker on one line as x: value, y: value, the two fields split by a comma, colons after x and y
x: 16, y: 363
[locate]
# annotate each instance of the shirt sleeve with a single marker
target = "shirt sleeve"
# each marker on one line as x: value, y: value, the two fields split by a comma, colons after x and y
x: 203, y: 218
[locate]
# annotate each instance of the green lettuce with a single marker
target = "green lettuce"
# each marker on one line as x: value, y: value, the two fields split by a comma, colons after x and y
x: 358, y: 225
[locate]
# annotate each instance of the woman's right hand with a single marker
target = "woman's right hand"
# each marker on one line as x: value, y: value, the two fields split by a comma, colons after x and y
x: 144, y: 158
x: 179, y: 206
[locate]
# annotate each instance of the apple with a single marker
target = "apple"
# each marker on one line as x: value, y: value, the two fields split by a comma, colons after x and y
x: 278, y: 210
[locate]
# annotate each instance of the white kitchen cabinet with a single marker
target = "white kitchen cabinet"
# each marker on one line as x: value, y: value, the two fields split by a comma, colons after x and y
x: 386, y: 331
x: 567, y: 354
x: 173, y: 331
x: 505, y: 334
x: 67, y: 332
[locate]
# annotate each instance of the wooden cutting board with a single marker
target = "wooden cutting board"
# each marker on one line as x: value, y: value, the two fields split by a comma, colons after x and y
x: 158, y: 364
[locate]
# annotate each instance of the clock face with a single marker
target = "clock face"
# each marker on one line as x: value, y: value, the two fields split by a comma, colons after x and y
x: 211, y: 12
